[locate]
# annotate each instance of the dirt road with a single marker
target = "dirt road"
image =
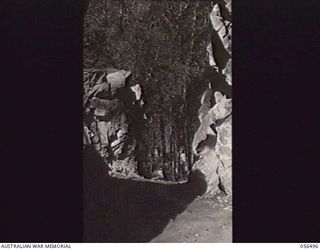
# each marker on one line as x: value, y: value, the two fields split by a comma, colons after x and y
x: 120, y: 210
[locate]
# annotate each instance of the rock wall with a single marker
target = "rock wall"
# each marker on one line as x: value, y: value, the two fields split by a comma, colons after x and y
x: 219, y: 47
x: 107, y: 103
x: 212, y: 142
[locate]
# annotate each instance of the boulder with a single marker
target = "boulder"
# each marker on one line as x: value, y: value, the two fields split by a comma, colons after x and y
x: 214, y: 149
x: 224, y: 153
x: 118, y: 79
x: 137, y: 91
x: 208, y: 164
x: 107, y: 119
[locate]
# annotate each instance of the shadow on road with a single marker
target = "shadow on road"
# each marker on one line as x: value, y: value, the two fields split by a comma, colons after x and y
x: 120, y: 210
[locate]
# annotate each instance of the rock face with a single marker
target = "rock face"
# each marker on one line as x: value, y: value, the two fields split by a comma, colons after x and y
x: 219, y: 48
x: 224, y: 152
x: 212, y: 141
x: 107, y: 103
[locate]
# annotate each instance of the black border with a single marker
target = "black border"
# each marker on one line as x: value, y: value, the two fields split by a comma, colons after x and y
x: 41, y: 121
x: 275, y: 121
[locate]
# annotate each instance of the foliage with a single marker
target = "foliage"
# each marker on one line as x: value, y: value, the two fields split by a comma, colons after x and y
x: 163, y: 44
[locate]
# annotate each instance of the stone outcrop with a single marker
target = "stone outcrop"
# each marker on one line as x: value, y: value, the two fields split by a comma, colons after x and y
x: 212, y: 144
x: 219, y: 47
x: 212, y: 141
x: 107, y: 102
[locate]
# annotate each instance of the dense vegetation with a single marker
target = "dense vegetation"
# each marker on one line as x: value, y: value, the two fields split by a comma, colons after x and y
x: 163, y: 44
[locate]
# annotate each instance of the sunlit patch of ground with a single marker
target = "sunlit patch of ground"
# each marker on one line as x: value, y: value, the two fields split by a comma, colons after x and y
x: 205, y: 220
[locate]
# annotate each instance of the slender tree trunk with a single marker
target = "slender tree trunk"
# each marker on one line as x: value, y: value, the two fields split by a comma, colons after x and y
x: 153, y: 143
x: 174, y: 159
x: 187, y: 136
x: 163, y: 139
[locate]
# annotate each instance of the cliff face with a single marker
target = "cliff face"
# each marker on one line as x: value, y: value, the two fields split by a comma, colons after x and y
x: 212, y: 141
x: 108, y: 103
x: 219, y: 48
